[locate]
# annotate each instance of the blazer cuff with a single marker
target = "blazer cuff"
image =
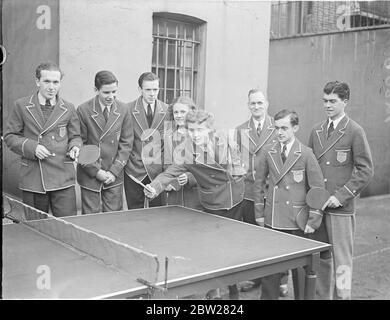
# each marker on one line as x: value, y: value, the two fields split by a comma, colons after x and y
x: 28, y: 148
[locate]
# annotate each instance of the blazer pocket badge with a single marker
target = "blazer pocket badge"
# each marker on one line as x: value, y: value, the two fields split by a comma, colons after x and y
x: 62, y: 132
x: 297, y: 175
x: 341, y: 156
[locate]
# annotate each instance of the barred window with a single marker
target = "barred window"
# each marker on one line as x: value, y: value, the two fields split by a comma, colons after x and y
x: 297, y: 18
x: 177, y: 55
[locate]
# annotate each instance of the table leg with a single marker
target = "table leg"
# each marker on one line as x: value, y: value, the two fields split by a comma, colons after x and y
x: 311, y: 277
x: 298, y: 276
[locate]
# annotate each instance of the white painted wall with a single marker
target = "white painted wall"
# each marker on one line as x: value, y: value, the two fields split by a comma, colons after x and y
x: 117, y: 35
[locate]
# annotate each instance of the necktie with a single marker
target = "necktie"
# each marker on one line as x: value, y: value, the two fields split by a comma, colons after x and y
x: 283, y: 154
x: 149, y: 115
x: 258, y: 130
x: 105, y: 113
x: 46, y: 110
x: 330, y: 129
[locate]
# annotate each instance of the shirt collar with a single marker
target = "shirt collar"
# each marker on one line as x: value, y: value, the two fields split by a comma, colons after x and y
x: 145, y: 104
x: 42, y: 100
x: 335, y: 122
x: 256, y: 122
x: 102, y: 106
x: 288, y: 146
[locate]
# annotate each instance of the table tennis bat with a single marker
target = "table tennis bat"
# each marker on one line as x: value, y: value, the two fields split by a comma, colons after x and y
x: 88, y: 154
x: 317, y: 197
x: 146, y: 200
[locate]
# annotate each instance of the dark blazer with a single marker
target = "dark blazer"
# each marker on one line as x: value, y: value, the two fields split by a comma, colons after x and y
x: 146, y: 156
x: 25, y: 129
x: 285, y: 205
x: 221, y: 183
x: 114, y: 139
x: 345, y: 160
x: 250, y: 145
x: 188, y: 195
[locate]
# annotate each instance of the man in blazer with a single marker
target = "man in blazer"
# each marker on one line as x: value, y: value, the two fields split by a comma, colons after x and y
x: 146, y: 158
x: 292, y: 170
x: 341, y: 148
x: 44, y: 130
x: 251, y: 137
x: 104, y: 122
x: 215, y: 162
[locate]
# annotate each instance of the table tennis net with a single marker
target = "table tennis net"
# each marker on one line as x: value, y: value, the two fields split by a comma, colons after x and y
x: 133, y: 261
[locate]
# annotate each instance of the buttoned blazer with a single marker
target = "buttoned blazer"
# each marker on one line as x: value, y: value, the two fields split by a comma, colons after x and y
x: 25, y: 129
x: 250, y: 145
x: 114, y: 139
x: 285, y: 200
x: 147, y: 154
x: 345, y: 160
x: 221, y: 183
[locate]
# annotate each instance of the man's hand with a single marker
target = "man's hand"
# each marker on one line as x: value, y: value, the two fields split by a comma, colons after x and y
x: 309, y: 229
x: 150, y: 192
x: 110, y: 177
x: 332, y: 202
x: 260, y: 221
x: 101, y: 175
x: 183, y: 179
x: 74, y: 152
x: 41, y: 152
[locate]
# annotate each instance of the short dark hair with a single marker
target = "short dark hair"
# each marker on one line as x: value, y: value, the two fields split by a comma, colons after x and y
x: 147, y: 76
x: 104, y: 77
x: 49, y: 66
x: 339, y: 88
x: 294, y: 120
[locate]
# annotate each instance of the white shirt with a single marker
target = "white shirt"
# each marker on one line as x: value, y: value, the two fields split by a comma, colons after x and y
x: 102, y: 106
x: 257, y: 123
x: 288, y: 146
x: 146, y: 106
x: 42, y: 100
x: 335, y: 122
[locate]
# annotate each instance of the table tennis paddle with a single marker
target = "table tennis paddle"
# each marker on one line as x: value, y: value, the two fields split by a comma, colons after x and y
x: 146, y: 200
x: 88, y: 154
x: 317, y: 197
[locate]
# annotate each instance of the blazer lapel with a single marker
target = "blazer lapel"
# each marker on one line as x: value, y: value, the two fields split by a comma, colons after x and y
x: 112, y: 118
x: 251, y: 133
x: 267, y: 130
x: 139, y: 115
x: 97, y: 114
x: 336, y: 136
x: 293, y: 156
x: 58, y: 111
x: 35, y: 111
x: 274, y: 153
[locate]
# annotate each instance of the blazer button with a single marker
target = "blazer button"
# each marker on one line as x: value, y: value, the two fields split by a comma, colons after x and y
x: 325, y: 180
x: 287, y: 202
x: 112, y: 141
x: 40, y: 136
x: 327, y: 162
x: 287, y: 188
x: 276, y: 187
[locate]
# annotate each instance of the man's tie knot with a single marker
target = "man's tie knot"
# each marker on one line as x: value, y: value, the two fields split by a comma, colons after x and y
x: 283, y: 153
x: 47, y: 103
x: 330, y: 129
x: 105, y: 113
x: 149, y: 115
x: 258, y: 130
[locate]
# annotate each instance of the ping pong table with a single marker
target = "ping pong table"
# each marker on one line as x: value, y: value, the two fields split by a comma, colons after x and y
x: 165, y: 252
